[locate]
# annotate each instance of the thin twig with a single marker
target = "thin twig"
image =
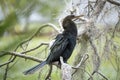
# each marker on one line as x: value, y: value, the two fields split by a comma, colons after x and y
x: 83, y: 59
x: 49, y: 74
x: 5, y: 74
x: 43, y: 26
x: 43, y: 43
x: 89, y: 74
x: 102, y: 75
x: 96, y: 58
x: 91, y: 77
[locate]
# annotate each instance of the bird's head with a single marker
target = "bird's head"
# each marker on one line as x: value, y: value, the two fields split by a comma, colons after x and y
x: 68, y: 21
x: 69, y: 17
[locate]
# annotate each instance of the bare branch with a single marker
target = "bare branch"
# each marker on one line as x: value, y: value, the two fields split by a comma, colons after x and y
x: 54, y: 27
x: 102, y: 76
x: 6, y: 72
x: 20, y: 55
x: 96, y: 58
x: 9, y: 61
x: 99, y: 74
x: 114, y: 2
x: 12, y: 58
x: 43, y: 26
x: 43, y: 43
x: 83, y: 59
x: 49, y: 74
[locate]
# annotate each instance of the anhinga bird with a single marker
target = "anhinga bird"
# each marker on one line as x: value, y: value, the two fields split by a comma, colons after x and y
x: 63, y: 45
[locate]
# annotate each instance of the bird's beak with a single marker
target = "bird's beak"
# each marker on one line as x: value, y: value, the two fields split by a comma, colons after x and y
x: 77, y: 17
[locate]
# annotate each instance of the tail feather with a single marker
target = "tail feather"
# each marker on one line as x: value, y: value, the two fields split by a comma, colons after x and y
x: 35, y: 68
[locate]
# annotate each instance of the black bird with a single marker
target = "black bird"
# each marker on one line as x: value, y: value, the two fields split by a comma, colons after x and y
x: 63, y: 45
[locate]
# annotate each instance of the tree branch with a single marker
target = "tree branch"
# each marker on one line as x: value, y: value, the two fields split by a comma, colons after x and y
x: 114, y: 2
x: 43, y: 26
x: 43, y: 43
x: 3, y: 53
x: 66, y: 69
x: 83, y: 59
x: 96, y: 58
x: 49, y: 74
x: 102, y: 75
x: 13, y: 56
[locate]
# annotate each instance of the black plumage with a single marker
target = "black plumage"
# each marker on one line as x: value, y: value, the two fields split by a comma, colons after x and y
x: 63, y: 45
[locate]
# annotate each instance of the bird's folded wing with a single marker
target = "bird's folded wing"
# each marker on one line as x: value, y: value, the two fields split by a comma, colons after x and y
x: 58, y: 47
x: 59, y: 44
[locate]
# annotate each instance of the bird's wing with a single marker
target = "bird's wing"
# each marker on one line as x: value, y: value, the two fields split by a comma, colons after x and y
x: 57, y: 48
x: 59, y: 44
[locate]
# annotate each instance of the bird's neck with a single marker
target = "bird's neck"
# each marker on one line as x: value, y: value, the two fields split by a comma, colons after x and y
x: 71, y: 32
x: 70, y: 28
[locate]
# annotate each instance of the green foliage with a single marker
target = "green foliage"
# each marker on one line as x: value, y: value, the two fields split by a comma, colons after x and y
x: 9, y: 21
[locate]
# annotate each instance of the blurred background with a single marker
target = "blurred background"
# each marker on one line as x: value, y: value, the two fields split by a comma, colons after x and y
x: 20, y: 19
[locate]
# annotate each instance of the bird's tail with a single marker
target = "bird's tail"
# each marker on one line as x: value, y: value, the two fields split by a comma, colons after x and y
x: 35, y: 68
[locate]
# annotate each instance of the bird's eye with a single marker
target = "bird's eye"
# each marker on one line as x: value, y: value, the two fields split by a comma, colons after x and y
x: 72, y: 16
